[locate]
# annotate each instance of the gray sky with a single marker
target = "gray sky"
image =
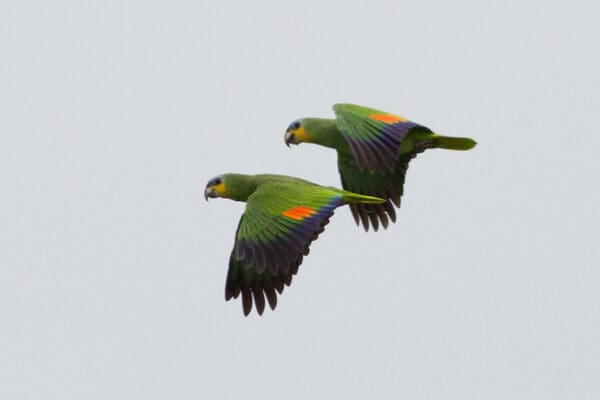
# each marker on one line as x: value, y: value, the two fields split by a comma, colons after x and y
x: 112, y: 266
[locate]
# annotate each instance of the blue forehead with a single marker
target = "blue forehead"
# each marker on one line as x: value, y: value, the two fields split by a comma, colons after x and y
x: 215, y: 181
x: 295, y: 125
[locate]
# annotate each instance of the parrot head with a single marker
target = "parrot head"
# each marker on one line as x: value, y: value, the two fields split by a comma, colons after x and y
x: 231, y: 186
x: 216, y: 187
x: 296, y: 133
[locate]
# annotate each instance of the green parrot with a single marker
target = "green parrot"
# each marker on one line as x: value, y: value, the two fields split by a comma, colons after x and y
x: 374, y: 148
x: 283, y: 216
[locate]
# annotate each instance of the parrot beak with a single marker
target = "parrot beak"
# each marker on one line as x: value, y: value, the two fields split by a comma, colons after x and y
x: 210, y: 192
x: 290, y: 137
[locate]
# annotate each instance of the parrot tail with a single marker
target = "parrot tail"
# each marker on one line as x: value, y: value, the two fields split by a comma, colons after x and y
x: 454, y: 143
x: 350, y: 197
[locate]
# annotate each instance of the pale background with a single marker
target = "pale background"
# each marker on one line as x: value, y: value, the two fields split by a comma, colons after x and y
x: 112, y: 265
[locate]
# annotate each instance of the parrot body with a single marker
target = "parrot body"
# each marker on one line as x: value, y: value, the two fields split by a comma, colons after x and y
x: 283, y: 216
x: 374, y: 149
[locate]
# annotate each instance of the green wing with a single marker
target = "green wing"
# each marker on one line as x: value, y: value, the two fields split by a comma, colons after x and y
x: 274, y: 234
x: 374, y: 136
x: 388, y: 185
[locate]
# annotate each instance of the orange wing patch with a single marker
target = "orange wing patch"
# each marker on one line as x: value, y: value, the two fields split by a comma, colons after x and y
x: 299, y: 213
x: 388, y: 118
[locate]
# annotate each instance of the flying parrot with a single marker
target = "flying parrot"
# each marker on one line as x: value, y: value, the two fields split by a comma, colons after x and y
x: 374, y: 149
x: 283, y: 216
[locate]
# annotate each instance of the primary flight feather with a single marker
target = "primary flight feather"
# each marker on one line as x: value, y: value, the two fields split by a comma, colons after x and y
x: 283, y: 216
x: 374, y: 149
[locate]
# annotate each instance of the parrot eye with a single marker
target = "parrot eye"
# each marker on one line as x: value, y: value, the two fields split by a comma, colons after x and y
x: 214, y: 182
x: 296, y: 125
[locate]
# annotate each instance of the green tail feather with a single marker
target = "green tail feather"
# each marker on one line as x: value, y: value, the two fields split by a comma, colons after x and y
x: 350, y: 197
x: 454, y: 143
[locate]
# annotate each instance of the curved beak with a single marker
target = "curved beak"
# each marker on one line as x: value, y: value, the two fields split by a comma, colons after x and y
x: 210, y: 192
x: 290, y: 137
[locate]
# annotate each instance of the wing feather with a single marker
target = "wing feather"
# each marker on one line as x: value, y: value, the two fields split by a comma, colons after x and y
x: 374, y: 136
x: 273, y: 236
x: 388, y: 185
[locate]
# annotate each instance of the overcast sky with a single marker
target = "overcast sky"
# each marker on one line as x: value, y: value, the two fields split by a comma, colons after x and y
x: 112, y: 266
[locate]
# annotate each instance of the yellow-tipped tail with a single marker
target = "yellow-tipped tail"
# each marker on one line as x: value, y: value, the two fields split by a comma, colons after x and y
x: 350, y: 197
x: 454, y: 143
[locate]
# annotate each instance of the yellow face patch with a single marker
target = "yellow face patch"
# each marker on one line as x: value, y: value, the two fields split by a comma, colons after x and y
x: 220, y: 188
x: 301, y: 134
x: 388, y: 118
x: 299, y: 213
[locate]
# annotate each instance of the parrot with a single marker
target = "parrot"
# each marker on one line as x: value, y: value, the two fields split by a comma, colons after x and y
x: 283, y: 215
x: 374, y: 149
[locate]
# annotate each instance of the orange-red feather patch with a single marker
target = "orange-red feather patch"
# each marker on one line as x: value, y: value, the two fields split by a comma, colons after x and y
x: 299, y: 213
x: 387, y: 118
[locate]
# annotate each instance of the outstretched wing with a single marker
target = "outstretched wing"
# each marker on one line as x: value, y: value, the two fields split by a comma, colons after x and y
x: 387, y: 185
x: 273, y: 236
x: 374, y: 136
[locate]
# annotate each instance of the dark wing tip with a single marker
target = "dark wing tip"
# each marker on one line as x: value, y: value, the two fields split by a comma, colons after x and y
x: 246, y: 301
x: 374, y: 215
x: 259, y: 299
x: 271, y: 296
